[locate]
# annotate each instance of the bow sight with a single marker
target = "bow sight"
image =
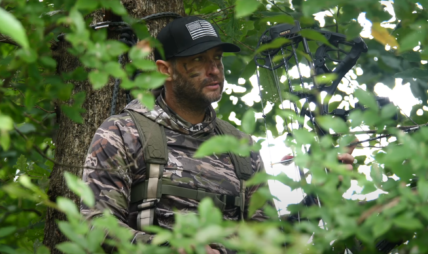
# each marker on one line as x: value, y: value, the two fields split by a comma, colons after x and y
x: 335, y: 57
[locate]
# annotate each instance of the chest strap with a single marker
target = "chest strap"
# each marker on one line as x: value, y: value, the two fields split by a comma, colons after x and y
x: 155, y: 152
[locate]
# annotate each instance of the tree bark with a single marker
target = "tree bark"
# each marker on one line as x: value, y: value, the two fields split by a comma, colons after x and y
x: 73, y: 139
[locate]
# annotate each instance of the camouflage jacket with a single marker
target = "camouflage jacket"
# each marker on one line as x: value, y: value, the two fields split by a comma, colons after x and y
x: 117, y: 148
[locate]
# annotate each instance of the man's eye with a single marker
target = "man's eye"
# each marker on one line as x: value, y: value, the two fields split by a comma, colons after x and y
x: 218, y: 57
x: 197, y: 59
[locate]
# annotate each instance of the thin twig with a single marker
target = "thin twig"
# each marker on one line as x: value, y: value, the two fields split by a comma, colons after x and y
x: 380, y: 208
x: 35, y: 120
x: 274, y: 4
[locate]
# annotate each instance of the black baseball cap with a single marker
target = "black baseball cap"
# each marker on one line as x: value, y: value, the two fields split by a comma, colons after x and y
x: 190, y: 36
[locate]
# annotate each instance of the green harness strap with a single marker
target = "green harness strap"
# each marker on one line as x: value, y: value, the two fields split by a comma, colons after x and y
x: 154, y: 143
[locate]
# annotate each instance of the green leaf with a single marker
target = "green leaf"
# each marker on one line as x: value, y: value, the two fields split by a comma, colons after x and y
x: 27, y: 128
x: 115, y: 6
x: 412, y: 40
x: 150, y: 80
x: 70, y: 248
x: 144, y: 64
x: 67, y: 206
x: 337, y: 124
x: 48, y: 61
x: 80, y: 188
x: 5, y: 231
x: 381, y: 227
x: 7, y: 250
x: 162, y: 237
x: 303, y: 136
x: 367, y: 99
x: 249, y: 70
x: 206, y: 210
x: 98, y: 79
x: 72, y: 113
x: 423, y: 189
x: 86, y: 5
x: 245, y: 7
x: 278, y: 42
x: 115, y: 48
x: 95, y: 239
x: 353, y: 30
x: 72, y: 233
x: 407, y: 222
x: 217, y: 145
x: 145, y: 98
x: 412, y: 73
x: 13, y: 28
x: 316, y: 36
x: 43, y: 250
x: 114, y: 69
x: 249, y: 122
x: 383, y: 36
x: 388, y: 111
x: 6, y: 123
x: 325, y: 78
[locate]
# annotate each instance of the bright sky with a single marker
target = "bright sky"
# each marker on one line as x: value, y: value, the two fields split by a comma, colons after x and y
x: 273, y: 149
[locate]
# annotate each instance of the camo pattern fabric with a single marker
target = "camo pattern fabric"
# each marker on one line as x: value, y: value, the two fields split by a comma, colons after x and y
x: 117, y: 154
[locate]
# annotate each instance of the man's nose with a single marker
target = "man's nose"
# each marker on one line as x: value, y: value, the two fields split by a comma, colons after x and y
x: 213, y: 68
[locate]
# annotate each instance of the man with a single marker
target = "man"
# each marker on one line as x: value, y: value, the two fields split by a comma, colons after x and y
x: 195, y: 79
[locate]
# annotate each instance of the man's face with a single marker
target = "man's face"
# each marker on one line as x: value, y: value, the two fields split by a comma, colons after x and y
x: 199, y: 79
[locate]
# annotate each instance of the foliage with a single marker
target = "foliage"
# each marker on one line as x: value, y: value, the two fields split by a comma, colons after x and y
x: 32, y: 93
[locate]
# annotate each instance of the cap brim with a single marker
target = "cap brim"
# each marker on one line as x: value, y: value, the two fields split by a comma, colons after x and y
x: 204, y: 46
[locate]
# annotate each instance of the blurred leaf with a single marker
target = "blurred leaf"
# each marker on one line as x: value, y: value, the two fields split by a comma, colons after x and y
x: 13, y: 28
x: 303, y: 136
x: 245, y: 7
x: 72, y: 113
x: 325, y: 78
x: 367, y: 99
x: 67, y: 206
x: 249, y: 70
x: 335, y: 123
x: 383, y: 36
x: 70, y: 248
x: 6, y: 123
x: 5, y: 231
x: 150, y: 80
x: 80, y: 188
x: 412, y: 73
x: 114, y: 69
x: 412, y: 40
x: 98, y: 79
x: 218, y: 145
x: 277, y: 43
x: 249, y: 122
x: 316, y: 36
x: 381, y: 227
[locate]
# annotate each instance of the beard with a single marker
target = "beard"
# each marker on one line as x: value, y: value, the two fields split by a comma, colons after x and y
x: 191, y: 95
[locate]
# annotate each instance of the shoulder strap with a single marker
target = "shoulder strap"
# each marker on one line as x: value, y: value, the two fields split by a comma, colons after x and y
x: 152, y: 137
x: 155, y: 151
x: 242, y: 164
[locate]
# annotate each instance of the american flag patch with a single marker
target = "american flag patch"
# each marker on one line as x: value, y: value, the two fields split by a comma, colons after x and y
x: 200, y: 28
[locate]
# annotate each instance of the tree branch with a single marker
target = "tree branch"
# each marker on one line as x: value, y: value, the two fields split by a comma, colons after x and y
x: 8, y: 40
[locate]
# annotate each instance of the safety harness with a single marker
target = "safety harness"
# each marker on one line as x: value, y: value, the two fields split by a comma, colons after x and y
x: 148, y: 193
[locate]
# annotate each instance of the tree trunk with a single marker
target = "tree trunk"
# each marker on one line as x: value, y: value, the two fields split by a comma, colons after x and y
x: 73, y: 139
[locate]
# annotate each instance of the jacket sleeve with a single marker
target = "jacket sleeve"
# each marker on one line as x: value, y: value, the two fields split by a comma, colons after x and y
x: 117, y: 156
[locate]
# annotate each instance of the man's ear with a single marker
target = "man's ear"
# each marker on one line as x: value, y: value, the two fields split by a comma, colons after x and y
x: 165, y: 67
